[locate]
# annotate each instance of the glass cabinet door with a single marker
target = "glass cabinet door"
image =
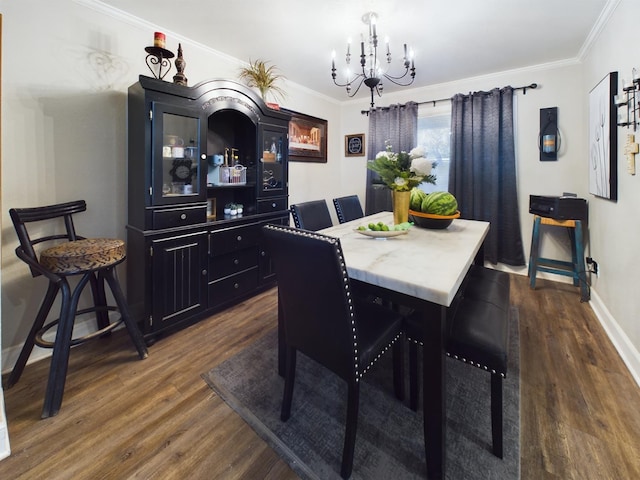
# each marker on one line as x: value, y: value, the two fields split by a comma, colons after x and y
x: 177, y: 158
x: 273, y: 161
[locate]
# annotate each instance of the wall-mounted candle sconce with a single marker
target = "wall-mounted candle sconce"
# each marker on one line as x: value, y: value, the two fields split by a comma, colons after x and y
x: 628, y: 117
x: 549, y: 136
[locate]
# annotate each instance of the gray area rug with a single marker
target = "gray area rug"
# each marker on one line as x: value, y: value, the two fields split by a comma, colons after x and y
x: 389, y: 441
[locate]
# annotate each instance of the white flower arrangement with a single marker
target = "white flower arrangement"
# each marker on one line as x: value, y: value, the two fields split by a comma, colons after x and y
x: 403, y: 171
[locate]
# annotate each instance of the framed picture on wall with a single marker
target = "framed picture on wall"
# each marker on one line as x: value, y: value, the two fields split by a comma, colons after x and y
x: 603, y: 138
x: 307, y: 138
x: 354, y: 145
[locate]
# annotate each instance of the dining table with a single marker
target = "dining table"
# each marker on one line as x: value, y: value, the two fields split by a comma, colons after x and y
x: 421, y: 269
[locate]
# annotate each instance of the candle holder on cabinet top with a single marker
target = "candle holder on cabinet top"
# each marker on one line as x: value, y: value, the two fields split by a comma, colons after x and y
x: 158, y: 61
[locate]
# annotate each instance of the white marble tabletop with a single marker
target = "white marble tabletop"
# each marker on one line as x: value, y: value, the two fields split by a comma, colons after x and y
x: 425, y: 263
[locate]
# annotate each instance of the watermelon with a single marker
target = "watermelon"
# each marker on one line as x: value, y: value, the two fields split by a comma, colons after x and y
x: 416, y: 198
x: 439, y: 203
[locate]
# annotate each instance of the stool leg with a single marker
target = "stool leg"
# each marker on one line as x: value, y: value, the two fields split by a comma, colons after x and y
x: 100, y: 301
x: 533, y: 256
x: 45, y: 307
x: 580, y: 266
x: 574, y: 255
x: 110, y: 275
x: 62, y: 346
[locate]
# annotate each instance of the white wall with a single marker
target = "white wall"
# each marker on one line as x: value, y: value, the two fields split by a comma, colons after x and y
x: 64, y: 120
x: 5, y: 449
x: 68, y: 65
x: 615, y: 226
x: 558, y: 85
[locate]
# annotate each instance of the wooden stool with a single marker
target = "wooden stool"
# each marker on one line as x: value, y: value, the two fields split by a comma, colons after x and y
x: 94, y: 260
x: 574, y: 269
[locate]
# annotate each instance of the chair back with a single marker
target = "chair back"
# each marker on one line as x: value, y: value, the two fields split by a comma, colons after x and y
x: 313, y: 215
x: 315, y: 296
x: 21, y: 216
x: 348, y: 208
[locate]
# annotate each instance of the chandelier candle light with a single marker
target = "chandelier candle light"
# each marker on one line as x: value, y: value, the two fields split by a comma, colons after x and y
x: 372, y: 68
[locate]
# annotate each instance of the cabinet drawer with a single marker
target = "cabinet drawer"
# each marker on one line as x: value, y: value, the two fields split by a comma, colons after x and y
x: 272, y: 205
x: 235, y: 238
x: 179, y: 216
x: 230, y: 263
x: 229, y: 288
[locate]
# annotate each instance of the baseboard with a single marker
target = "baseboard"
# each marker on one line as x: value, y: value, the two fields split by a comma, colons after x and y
x: 5, y: 449
x: 627, y: 351
x: 629, y: 354
x: 82, y: 327
x: 621, y: 342
x: 524, y: 271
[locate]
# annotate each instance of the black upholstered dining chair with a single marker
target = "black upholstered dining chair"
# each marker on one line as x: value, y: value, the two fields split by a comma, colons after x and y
x: 324, y: 321
x: 313, y: 215
x: 58, y: 257
x: 477, y: 334
x: 348, y: 208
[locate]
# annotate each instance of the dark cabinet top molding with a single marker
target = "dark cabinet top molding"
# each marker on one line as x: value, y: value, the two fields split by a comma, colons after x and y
x: 216, y: 94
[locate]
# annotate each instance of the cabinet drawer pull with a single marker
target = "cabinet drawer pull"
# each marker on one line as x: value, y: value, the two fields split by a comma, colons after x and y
x: 204, y: 272
x: 273, y: 204
x: 239, y: 238
x: 263, y: 253
x: 236, y: 286
x: 236, y: 261
x: 183, y: 216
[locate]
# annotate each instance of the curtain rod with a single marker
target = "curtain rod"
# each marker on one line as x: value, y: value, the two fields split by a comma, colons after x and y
x: 524, y: 89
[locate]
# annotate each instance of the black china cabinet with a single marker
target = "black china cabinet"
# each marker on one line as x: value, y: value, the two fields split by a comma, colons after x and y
x: 207, y: 168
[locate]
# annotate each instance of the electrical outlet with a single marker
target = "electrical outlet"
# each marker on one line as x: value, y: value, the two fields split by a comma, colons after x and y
x: 592, y: 266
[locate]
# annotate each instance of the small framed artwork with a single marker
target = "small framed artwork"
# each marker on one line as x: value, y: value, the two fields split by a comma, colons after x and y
x: 603, y: 138
x: 307, y: 138
x: 354, y: 145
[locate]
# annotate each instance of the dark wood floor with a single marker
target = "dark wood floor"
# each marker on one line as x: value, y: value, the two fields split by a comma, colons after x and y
x: 156, y: 418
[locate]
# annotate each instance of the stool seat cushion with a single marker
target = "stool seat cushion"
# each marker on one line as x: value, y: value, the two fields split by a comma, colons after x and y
x: 83, y: 255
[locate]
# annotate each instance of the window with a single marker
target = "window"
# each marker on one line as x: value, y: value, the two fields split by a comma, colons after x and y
x: 434, y: 134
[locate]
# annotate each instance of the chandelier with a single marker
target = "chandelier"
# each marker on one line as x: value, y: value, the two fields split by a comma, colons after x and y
x: 373, y: 69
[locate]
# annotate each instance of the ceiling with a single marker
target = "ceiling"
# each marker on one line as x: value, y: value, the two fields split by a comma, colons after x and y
x: 451, y: 39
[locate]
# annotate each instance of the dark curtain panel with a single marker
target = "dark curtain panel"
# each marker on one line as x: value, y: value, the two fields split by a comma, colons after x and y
x: 483, y: 169
x: 399, y: 125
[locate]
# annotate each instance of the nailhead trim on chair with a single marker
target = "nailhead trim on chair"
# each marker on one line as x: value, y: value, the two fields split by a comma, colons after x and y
x: 379, y: 356
x: 475, y: 364
x: 339, y: 212
x: 296, y: 219
x: 345, y: 278
x: 462, y: 359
